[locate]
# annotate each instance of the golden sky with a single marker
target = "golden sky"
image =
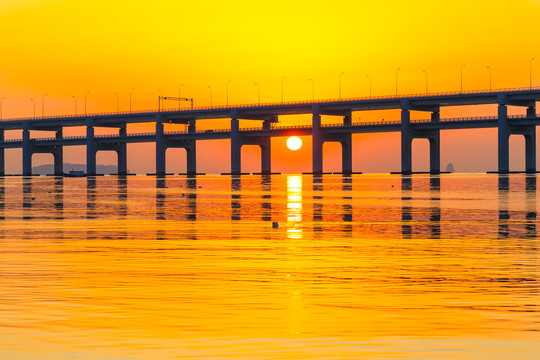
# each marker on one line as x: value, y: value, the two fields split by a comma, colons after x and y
x: 64, y: 48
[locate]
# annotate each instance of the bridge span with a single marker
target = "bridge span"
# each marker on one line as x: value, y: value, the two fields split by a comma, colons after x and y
x: 267, y: 115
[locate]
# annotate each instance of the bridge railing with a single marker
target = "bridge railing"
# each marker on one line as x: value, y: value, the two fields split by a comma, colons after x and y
x: 274, y: 104
x: 288, y: 127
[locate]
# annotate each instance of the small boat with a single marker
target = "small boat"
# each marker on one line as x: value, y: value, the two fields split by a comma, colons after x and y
x: 76, y: 173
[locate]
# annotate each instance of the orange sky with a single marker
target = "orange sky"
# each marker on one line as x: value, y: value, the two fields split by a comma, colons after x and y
x: 65, y: 48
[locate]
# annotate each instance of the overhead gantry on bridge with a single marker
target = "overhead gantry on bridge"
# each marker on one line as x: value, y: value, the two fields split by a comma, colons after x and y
x: 267, y: 115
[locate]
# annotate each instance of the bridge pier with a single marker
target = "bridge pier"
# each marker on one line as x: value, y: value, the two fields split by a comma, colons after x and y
x: 26, y: 150
x: 90, y: 148
x: 318, y: 141
x: 236, y: 145
x: 319, y: 137
x: 408, y: 134
x: 162, y: 144
x: 2, y: 155
x: 505, y: 130
x: 237, y: 141
x: 122, y: 152
x: 58, y: 154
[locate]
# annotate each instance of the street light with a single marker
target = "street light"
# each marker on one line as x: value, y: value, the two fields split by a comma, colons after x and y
x: 1, y: 100
x: 130, y: 90
x: 462, y: 65
x: 312, y: 89
x: 425, y: 72
x: 530, y: 72
x: 397, y: 70
x: 117, y: 103
x: 283, y: 78
x: 369, y: 77
x: 340, y: 74
x: 86, y: 92
x: 258, y: 92
x: 159, y: 99
x: 75, y: 101
x: 43, y: 104
x: 180, y: 96
x: 34, y: 101
x: 489, y: 68
x: 210, y: 95
x: 228, y: 92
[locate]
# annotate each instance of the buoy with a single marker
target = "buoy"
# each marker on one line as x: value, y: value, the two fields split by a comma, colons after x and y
x: 275, y: 224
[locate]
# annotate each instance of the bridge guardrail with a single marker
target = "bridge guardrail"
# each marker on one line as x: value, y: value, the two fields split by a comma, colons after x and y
x: 273, y: 104
x: 292, y: 127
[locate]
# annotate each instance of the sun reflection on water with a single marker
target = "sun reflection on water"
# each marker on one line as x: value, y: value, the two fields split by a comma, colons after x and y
x: 294, y: 206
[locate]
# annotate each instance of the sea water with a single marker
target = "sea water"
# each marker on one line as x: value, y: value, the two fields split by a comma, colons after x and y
x: 270, y: 267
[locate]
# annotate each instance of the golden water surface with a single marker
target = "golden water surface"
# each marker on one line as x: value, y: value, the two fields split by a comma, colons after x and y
x: 276, y: 267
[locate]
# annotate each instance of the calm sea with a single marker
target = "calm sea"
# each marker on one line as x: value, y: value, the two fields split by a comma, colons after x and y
x: 276, y: 267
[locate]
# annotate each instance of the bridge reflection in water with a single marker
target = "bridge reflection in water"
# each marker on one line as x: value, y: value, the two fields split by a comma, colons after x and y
x: 425, y: 208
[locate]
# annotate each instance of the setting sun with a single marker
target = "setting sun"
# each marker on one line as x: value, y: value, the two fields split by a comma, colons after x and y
x: 294, y: 143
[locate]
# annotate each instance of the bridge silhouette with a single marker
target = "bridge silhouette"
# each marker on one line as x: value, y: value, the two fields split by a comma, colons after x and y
x: 267, y: 115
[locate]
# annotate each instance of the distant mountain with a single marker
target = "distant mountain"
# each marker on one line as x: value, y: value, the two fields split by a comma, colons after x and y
x: 49, y: 169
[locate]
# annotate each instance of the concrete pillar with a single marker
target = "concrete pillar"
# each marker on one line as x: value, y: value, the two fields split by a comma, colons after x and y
x: 435, y: 147
x: 346, y: 148
x: 531, y: 111
x: 192, y: 127
x: 318, y: 142
x: 122, y: 152
x: 266, y: 156
x: 503, y: 143
x: 91, y: 148
x: 530, y: 150
x: 59, y: 156
x: 191, y: 153
x: 406, y: 141
x: 236, y: 147
x: 161, y: 147
x: 2, y: 155
x: 27, y: 150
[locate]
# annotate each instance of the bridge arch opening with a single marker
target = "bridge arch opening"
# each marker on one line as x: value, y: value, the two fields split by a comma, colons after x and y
x: 420, y: 155
x: 251, y: 158
x: 107, y: 162
x: 13, y: 161
x: 176, y: 160
x: 332, y: 156
x: 516, y: 144
x: 42, y: 164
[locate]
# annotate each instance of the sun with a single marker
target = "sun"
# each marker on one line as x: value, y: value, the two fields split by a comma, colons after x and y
x: 294, y: 143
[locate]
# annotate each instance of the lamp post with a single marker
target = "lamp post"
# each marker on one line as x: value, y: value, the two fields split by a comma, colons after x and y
x: 130, y: 91
x: 258, y: 92
x: 34, y: 102
x: 340, y: 74
x: 369, y: 77
x: 397, y: 71
x: 425, y: 72
x: 180, y: 96
x: 312, y: 89
x: 530, y: 72
x: 489, y: 68
x: 228, y: 92
x: 462, y: 65
x: 117, y: 103
x: 1, y: 101
x: 210, y: 95
x: 43, y: 104
x: 75, y: 101
x: 85, y: 93
x: 159, y: 99
x: 283, y: 78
